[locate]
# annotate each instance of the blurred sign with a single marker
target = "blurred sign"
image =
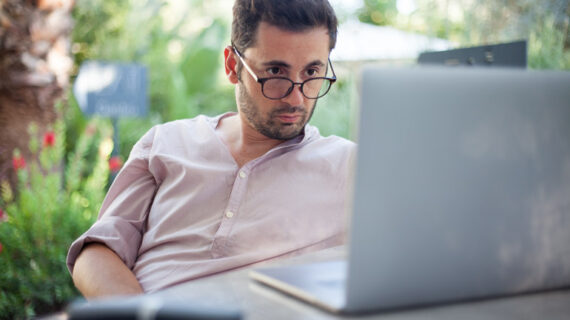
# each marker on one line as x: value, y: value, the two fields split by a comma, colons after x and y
x: 112, y: 89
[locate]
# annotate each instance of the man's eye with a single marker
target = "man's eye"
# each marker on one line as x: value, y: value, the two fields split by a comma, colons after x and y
x: 312, y: 72
x: 274, y: 71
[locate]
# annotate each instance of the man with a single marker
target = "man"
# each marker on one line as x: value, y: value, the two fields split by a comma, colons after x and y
x: 206, y: 195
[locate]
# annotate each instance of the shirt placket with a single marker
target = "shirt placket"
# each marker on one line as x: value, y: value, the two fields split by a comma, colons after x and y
x: 220, y: 245
x: 232, y: 210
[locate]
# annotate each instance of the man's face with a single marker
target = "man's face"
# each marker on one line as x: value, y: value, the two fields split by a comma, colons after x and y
x: 278, y: 53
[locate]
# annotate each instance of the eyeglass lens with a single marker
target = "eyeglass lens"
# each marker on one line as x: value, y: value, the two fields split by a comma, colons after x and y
x: 277, y: 88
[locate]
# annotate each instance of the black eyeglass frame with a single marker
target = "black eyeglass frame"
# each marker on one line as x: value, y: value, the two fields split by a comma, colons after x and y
x: 293, y: 83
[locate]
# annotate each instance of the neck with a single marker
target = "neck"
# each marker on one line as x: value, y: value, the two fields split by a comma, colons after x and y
x: 244, y: 142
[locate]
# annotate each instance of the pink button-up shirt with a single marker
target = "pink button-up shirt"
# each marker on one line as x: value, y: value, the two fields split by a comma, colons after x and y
x: 181, y: 208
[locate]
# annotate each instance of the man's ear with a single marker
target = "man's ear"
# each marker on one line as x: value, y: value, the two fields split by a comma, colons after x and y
x: 230, y: 62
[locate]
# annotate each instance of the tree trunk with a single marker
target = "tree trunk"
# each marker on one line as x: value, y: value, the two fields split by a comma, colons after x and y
x: 34, y: 70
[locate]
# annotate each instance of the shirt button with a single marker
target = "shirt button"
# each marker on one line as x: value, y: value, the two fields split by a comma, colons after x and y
x: 242, y: 174
x: 229, y: 214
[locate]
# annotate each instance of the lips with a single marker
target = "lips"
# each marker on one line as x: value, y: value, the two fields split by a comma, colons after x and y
x: 289, y: 117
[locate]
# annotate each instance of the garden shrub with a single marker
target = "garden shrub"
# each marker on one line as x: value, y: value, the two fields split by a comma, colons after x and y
x: 55, y: 201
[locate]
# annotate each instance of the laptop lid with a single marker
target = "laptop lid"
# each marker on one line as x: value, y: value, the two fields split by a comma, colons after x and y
x: 462, y: 186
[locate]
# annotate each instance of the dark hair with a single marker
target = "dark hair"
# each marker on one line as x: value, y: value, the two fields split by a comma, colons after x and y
x: 291, y: 15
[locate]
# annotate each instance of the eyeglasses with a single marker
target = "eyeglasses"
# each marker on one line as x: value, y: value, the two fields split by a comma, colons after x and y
x: 276, y: 88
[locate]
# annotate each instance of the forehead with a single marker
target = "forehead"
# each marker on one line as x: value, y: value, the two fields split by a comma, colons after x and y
x: 278, y: 44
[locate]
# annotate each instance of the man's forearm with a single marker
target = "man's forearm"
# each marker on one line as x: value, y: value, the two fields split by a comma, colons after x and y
x: 99, y: 272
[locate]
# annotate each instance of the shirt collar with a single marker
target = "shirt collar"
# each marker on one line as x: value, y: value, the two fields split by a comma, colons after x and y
x: 309, y: 133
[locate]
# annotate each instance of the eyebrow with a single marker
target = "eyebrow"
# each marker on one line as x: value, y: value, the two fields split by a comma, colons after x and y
x: 279, y: 63
x: 276, y: 63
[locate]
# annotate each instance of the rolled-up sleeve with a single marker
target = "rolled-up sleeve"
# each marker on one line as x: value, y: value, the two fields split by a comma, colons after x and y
x: 122, y: 217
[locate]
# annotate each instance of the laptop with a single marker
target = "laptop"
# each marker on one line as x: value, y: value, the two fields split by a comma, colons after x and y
x: 461, y: 192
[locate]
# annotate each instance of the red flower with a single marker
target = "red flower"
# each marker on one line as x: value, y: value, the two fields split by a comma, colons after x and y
x: 115, y: 164
x: 1, y: 214
x: 1, y: 247
x: 49, y: 139
x: 18, y: 162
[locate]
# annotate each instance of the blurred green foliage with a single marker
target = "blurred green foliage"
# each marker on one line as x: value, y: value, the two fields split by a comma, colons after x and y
x: 543, y: 23
x: 183, y: 67
x: 51, y: 207
x: 549, y: 45
x: 379, y: 12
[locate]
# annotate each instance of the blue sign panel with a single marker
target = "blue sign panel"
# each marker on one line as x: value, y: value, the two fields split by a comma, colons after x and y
x: 112, y: 89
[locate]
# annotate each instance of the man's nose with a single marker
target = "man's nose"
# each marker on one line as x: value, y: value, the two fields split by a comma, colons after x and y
x: 296, y: 97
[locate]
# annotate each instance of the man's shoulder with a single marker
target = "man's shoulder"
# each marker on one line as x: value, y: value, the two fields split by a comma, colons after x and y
x: 337, y: 143
x: 316, y: 139
x: 332, y: 148
x: 178, y: 130
x: 199, y: 120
